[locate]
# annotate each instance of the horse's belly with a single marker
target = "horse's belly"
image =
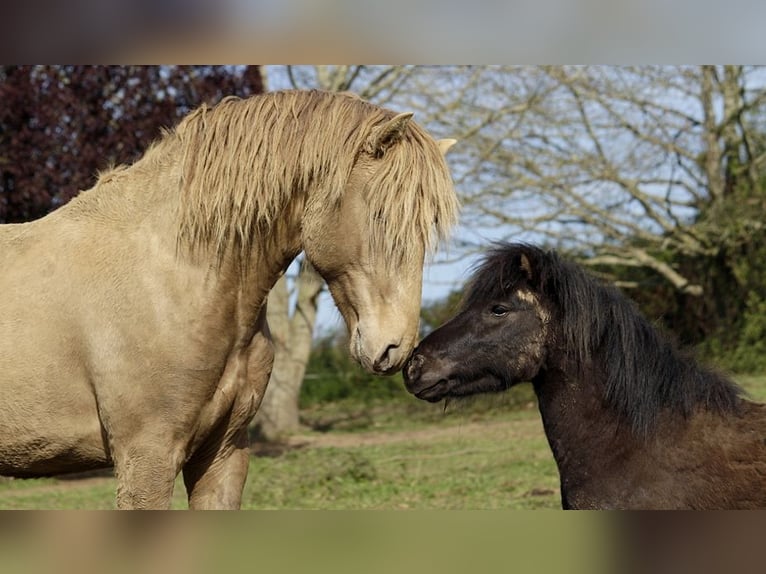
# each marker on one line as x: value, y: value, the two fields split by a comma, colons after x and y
x: 39, y: 442
x: 49, y: 420
x: 54, y: 446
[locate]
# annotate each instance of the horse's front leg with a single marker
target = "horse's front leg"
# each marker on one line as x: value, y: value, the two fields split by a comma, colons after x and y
x: 145, y: 474
x: 217, y: 481
x: 215, y: 475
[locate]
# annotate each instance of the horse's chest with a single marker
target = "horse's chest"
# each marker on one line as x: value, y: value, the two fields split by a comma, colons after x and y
x: 240, y: 389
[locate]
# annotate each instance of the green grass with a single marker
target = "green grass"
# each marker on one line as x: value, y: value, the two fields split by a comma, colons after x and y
x: 476, y: 455
x: 755, y: 385
x: 474, y: 466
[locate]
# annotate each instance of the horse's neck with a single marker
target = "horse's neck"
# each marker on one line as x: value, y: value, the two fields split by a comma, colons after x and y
x: 141, y: 201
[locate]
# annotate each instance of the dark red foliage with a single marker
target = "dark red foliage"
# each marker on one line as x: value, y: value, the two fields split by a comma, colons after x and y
x: 60, y: 125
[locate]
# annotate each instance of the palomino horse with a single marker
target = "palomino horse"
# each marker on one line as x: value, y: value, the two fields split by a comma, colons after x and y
x: 132, y: 321
x: 632, y: 421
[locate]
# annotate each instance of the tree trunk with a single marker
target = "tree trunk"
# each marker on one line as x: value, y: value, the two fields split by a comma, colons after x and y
x: 292, y: 334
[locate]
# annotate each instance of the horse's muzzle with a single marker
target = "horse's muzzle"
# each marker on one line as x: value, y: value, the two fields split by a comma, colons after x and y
x: 385, y: 358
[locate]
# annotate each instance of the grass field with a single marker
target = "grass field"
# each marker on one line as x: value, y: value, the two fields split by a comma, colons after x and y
x: 408, y: 455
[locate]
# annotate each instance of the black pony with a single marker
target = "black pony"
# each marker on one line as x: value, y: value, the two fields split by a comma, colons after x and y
x: 632, y: 421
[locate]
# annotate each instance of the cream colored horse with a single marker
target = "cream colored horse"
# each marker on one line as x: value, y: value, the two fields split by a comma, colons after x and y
x: 132, y: 320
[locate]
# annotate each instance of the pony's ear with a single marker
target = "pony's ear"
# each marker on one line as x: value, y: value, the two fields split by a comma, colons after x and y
x: 383, y: 137
x: 445, y: 144
x: 526, y: 266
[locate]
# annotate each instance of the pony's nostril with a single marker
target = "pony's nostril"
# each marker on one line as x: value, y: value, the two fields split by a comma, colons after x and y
x: 414, y: 366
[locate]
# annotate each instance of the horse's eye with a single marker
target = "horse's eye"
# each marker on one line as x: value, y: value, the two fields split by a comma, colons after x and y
x: 499, y: 310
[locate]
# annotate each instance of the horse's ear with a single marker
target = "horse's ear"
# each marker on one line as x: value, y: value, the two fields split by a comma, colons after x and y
x: 383, y: 137
x: 445, y: 144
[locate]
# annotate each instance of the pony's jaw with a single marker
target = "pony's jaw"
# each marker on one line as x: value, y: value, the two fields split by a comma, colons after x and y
x: 433, y: 378
x: 387, y: 330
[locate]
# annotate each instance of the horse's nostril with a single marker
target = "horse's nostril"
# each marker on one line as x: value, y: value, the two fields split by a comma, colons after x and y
x: 384, y: 362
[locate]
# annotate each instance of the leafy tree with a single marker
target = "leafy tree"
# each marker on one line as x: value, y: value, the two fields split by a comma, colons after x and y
x: 653, y: 174
x: 727, y: 321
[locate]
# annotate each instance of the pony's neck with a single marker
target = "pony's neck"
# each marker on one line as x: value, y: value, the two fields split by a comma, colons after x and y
x: 587, y: 439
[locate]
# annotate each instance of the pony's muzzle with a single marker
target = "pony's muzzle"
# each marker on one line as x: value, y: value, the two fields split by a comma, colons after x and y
x: 424, y: 382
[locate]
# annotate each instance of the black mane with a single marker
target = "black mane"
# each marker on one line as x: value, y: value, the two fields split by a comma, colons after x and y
x: 644, y: 371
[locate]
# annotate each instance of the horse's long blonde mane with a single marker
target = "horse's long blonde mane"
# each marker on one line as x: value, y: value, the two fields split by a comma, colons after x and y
x: 245, y: 160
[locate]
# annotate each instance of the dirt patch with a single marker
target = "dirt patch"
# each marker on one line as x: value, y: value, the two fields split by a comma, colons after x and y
x: 497, y: 429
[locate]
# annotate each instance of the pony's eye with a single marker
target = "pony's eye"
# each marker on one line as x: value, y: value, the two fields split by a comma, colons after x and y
x: 499, y: 310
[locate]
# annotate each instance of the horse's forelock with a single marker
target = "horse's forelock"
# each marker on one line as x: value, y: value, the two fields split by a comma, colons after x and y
x: 245, y: 158
x: 411, y: 198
